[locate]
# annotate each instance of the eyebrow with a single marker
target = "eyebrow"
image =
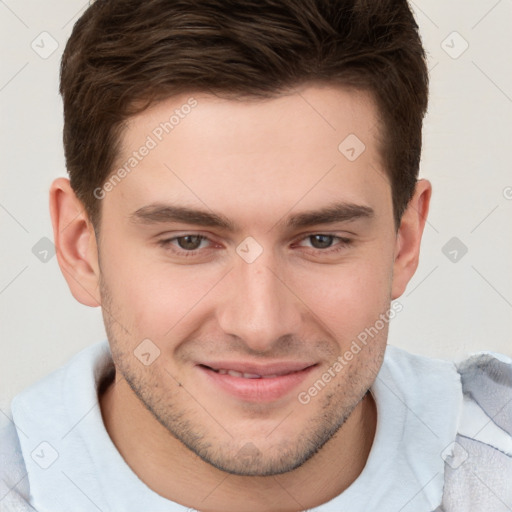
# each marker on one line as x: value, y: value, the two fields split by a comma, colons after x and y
x: 159, y: 213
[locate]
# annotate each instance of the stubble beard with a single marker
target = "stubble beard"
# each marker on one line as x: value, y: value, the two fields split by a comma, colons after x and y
x: 226, y: 453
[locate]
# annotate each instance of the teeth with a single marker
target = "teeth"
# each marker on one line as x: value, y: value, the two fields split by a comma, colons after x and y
x: 234, y: 373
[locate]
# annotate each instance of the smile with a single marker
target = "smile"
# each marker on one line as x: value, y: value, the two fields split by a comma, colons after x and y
x: 251, y: 383
x: 234, y: 373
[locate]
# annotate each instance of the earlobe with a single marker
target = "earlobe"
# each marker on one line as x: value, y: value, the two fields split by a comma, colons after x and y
x: 75, y: 243
x: 408, y: 240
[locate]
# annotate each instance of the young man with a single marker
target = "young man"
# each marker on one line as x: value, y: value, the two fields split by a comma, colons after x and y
x: 244, y: 206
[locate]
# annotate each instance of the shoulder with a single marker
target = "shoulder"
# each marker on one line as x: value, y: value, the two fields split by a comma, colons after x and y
x: 14, y: 482
x: 44, y: 412
x: 478, y: 464
x: 477, y: 477
x: 487, y: 390
x: 487, y: 380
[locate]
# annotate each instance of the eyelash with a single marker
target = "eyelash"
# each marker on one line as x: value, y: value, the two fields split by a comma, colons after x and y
x: 343, y: 243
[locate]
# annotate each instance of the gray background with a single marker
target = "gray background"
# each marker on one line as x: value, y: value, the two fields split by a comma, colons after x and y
x: 457, y: 302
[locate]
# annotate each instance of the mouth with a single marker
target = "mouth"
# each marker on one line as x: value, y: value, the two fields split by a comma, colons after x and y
x: 256, y: 383
x: 246, y: 375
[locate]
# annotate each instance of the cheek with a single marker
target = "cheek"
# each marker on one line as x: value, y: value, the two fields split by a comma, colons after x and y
x: 164, y: 298
x: 347, y: 299
x: 153, y: 297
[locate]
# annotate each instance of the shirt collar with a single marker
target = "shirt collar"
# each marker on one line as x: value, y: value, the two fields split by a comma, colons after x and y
x: 419, y: 402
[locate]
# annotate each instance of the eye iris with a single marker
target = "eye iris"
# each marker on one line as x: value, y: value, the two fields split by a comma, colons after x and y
x: 190, y: 242
x: 321, y: 241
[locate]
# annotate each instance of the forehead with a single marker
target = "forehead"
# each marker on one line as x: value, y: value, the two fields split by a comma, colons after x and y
x: 265, y: 124
x: 312, y: 145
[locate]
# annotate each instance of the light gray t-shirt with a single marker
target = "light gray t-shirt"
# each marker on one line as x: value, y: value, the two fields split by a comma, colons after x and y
x: 443, y: 442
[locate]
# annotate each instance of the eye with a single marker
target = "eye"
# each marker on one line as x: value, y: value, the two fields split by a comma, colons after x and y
x: 325, y: 242
x: 190, y: 242
x: 321, y: 241
x: 185, y: 243
x: 193, y: 244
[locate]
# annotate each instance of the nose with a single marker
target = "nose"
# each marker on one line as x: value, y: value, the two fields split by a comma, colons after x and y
x: 259, y: 306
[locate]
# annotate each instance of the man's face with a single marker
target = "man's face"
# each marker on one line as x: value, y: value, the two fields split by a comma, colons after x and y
x: 286, y: 260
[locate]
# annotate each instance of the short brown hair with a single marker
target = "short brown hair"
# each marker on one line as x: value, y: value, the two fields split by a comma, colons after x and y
x: 124, y: 55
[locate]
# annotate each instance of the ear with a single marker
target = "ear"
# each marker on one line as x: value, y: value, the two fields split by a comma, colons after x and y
x: 75, y: 243
x: 408, y: 240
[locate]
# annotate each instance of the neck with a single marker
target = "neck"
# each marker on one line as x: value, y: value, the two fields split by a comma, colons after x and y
x: 170, y: 469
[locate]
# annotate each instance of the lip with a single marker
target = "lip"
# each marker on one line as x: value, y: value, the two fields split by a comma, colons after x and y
x: 277, y: 379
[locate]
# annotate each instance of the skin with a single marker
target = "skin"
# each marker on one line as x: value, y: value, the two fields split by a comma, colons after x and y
x: 256, y: 163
